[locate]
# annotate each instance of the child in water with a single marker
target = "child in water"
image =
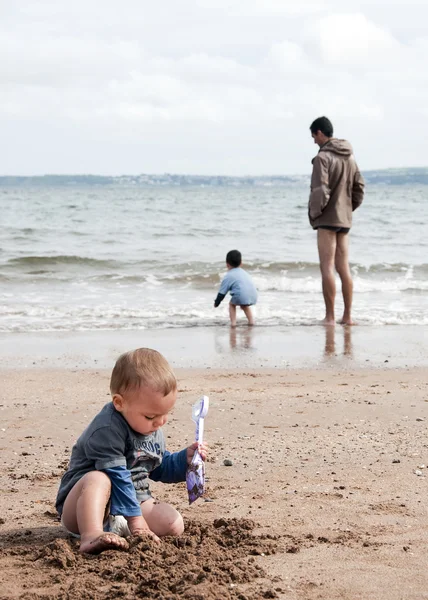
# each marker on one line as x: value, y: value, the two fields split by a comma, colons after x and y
x: 241, y: 287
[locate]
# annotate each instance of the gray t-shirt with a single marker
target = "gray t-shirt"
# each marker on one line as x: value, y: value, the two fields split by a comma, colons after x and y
x: 110, y: 442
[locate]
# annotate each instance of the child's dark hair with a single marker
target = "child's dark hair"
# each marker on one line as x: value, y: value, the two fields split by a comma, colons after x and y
x: 324, y: 125
x: 234, y: 258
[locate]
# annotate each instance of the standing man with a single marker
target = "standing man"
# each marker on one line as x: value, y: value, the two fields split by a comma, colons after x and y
x: 337, y: 189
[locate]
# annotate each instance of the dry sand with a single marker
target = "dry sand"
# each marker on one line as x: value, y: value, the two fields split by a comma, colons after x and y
x: 326, y: 496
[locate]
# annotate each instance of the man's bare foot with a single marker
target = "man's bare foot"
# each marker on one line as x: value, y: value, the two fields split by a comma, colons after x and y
x: 233, y: 325
x: 105, y: 541
x: 347, y: 321
x: 328, y: 322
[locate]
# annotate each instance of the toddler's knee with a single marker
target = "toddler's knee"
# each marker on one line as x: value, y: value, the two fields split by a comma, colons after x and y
x: 172, y: 521
x: 176, y: 528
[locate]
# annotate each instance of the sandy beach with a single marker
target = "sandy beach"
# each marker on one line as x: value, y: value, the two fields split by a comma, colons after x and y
x: 325, y: 498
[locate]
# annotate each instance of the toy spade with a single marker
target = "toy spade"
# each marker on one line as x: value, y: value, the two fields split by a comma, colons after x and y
x: 195, y: 476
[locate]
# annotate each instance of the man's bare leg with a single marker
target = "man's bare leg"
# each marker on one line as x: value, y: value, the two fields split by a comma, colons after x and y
x: 249, y: 314
x: 84, y: 512
x: 327, y: 250
x: 232, y: 314
x: 342, y: 267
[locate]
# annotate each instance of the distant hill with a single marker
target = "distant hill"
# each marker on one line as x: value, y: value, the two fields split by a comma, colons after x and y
x: 381, y: 177
x: 398, y: 176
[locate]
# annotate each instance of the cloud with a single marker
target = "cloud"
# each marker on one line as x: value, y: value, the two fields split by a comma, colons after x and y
x: 351, y: 40
x: 264, y: 8
x: 208, y: 86
x: 64, y: 60
x: 290, y: 59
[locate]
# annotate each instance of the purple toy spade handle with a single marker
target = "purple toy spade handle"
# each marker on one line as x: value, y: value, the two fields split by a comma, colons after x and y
x: 195, y: 476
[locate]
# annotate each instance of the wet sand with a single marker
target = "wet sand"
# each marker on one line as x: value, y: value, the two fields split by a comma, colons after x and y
x: 225, y: 348
x: 328, y: 485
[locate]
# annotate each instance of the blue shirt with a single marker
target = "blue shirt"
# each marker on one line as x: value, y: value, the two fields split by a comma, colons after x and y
x: 240, y: 285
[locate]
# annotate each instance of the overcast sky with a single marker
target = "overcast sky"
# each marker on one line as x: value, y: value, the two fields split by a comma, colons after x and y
x: 209, y: 86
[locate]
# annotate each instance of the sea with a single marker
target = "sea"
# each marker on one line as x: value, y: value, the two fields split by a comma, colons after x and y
x: 121, y: 257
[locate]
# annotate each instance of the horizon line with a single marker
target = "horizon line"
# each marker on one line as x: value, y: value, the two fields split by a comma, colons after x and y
x: 166, y: 173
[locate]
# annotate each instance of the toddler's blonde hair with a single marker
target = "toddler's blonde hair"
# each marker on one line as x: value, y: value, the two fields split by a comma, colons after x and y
x: 142, y: 367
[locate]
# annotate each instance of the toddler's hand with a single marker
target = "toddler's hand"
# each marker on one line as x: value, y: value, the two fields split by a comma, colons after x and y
x: 144, y: 533
x: 138, y: 526
x: 202, y: 448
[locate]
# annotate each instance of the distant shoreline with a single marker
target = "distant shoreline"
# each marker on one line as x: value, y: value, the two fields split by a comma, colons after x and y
x: 407, y: 176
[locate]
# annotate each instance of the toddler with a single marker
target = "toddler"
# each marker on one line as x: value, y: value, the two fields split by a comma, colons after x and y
x: 118, y: 452
x: 241, y: 287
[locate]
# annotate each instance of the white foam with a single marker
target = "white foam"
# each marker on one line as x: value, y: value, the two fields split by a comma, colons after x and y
x: 274, y: 309
x: 311, y: 285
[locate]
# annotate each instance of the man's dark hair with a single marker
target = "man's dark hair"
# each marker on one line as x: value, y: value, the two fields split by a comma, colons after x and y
x: 234, y: 258
x: 324, y: 125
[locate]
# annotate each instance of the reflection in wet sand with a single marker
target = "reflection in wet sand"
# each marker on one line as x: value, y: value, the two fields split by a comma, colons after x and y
x: 330, y: 341
x: 347, y: 341
x: 330, y: 333
x: 241, y: 338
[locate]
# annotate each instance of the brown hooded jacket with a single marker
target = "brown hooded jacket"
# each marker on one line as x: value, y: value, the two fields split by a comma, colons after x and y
x: 337, y: 186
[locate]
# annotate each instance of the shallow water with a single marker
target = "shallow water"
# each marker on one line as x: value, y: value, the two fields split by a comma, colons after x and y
x: 94, y: 258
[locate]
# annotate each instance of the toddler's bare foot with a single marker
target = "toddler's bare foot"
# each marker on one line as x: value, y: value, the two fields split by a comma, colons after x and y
x: 105, y: 541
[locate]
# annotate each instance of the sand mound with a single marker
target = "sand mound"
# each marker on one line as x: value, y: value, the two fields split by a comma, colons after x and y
x: 208, y: 562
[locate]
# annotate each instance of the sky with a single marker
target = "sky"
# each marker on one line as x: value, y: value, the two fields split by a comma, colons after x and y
x: 209, y: 86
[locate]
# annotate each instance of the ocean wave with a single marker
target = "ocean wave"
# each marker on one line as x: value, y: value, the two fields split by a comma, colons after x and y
x: 369, y: 269
x: 60, y: 259
x: 197, y: 271
x: 311, y: 285
x: 101, y: 277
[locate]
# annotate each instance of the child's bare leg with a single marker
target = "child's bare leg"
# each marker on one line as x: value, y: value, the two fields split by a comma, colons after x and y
x: 232, y: 314
x: 84, y: 511
x: 162, y: 518
x: 249, y: 314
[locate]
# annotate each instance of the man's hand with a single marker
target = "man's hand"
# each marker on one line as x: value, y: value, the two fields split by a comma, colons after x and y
x: 202, y: 449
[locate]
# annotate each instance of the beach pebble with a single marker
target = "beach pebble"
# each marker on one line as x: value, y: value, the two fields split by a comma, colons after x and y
x: 419, y: 419
x: 418, y: 472
x: 227, y: 462
x: 396, y: 460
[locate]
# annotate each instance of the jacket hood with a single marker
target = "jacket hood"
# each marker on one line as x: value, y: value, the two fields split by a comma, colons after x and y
x: 340, y: 147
